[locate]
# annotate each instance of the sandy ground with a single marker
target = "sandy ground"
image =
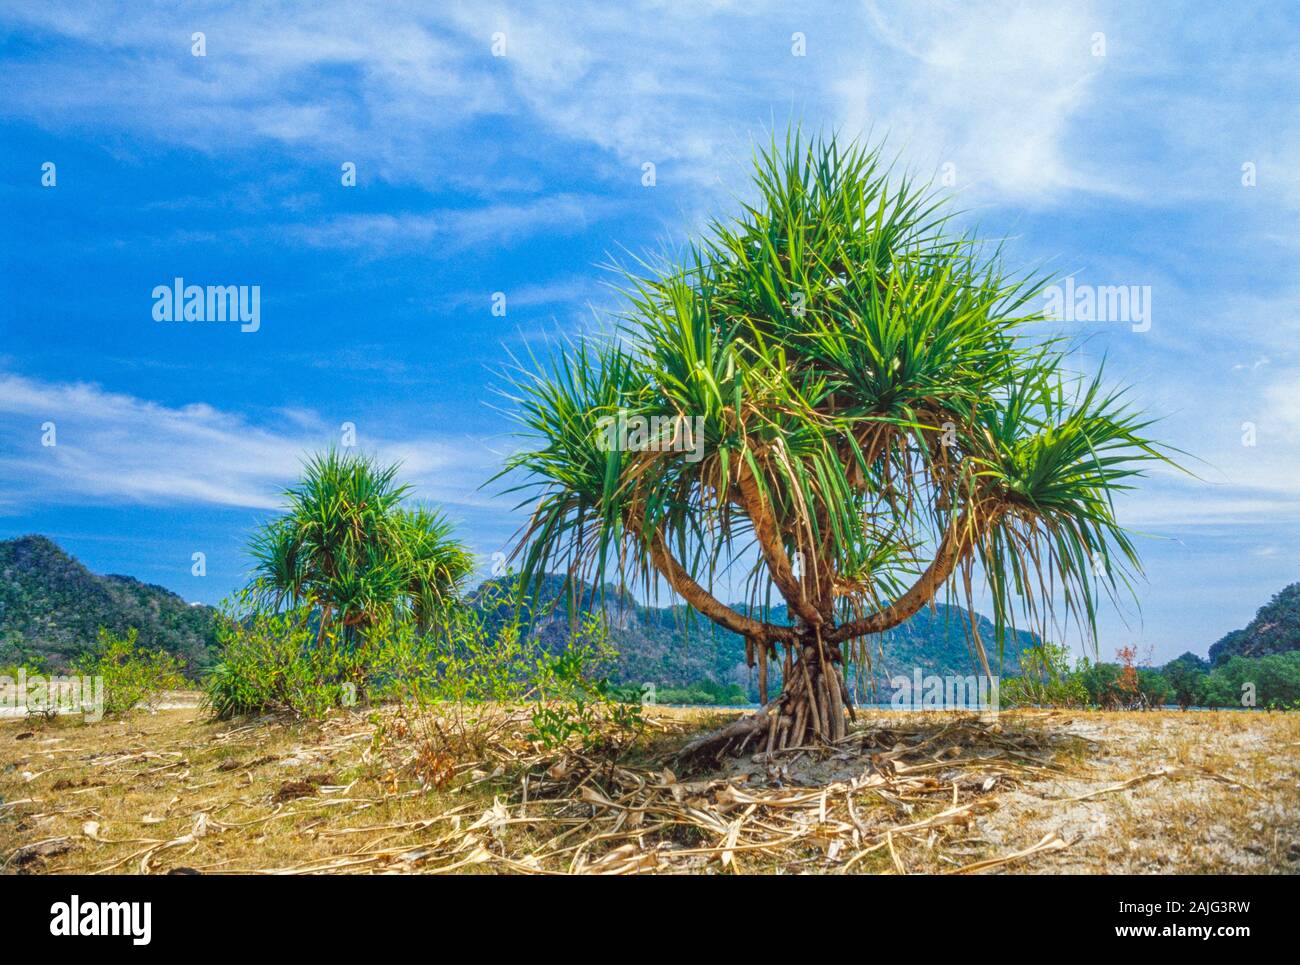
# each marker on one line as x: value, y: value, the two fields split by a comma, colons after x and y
x: 1029, y: 792
x: 14, y: 706
x: 1214, y: 792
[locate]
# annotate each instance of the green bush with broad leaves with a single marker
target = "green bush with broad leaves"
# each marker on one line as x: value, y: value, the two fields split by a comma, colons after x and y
x: 1045, y: 681
x: 1272, y: 681
x: 133, y: 676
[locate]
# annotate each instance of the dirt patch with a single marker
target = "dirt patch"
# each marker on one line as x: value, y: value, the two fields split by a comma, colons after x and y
x: 1167, y: 793
x: 902, y: 793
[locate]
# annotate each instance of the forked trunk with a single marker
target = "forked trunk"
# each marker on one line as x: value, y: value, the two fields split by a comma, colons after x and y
x: 810, y: 710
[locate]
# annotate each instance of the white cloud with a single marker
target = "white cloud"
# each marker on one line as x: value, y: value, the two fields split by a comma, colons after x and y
x: 454, y: 230
x: 116, y: 448
x: 329, y: 77
x: 1009, y: 92
x: 395, y: 85
x: 989, y: 88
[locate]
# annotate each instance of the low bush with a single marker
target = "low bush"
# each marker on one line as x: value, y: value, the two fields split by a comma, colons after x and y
x: 133, y: 676
x: 460, y: 680
x: 284, y: 662
x: 1045, y: 681
x: 479, y: 672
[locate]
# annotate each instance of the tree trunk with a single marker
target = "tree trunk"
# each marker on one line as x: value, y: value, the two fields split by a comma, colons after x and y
x: 810, y: 710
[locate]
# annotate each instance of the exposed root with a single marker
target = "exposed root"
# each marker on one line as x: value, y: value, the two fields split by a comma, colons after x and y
x: 813, y: 708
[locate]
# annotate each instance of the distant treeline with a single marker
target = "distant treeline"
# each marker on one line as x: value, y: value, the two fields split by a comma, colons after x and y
x: 1271, y: 681
x: 706, y: 693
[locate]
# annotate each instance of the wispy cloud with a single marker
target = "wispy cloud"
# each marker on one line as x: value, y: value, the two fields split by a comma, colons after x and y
x: 401, y: 88
x: 501, y: 225
x: 993, y: 90
x: 1019, y: 97
x: 116, y: 448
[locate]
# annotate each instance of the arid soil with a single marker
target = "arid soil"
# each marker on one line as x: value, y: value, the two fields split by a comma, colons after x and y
x: 387, y: 791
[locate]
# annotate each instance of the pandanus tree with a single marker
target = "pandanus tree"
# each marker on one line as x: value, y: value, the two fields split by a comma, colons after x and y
x: 349, y: 550
x: 833, y: 400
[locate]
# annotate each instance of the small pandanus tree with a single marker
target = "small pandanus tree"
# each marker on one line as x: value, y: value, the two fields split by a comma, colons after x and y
x: 350, y: 551
x: 830, y: 400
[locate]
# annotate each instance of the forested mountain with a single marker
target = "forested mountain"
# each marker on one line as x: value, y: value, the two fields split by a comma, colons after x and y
x: 51, y: 608
x: 1275, y: 629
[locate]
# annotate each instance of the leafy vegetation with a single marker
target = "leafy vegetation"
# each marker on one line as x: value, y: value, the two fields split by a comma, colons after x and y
x: 1185, y: 675
x: 21, y: 659
x: 1271, y: 681
x: 704, y: 694
x: 133, y: 676
x: 348, y: 583
x: 279, y: 661
x: 1046, y: 680
x: 1275, y: 629
x: 671, y: 648
x: 1123, y: 686
x: 355, y: 598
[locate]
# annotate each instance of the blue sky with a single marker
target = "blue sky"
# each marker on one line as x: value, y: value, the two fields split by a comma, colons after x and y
x: 1105, y: 142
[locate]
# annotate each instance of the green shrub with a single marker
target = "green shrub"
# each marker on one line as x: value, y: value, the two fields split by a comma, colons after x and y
x: 572, y: 702
x: 281, y: 661
x: 1113, y: 686
x: 132, y: 675
x: 263, y: 666
x: 12, y: 670
x: 1045, y: 681
x: 16, y: 656
x: 477, y: 670
x: 460, y: 666
x: 1155, y: 687
x: 1186, y: 676
x: 705, y: 693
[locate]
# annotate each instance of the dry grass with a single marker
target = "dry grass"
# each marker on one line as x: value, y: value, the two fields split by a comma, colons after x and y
x: 902, y: 793
x: 1213, y: 792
